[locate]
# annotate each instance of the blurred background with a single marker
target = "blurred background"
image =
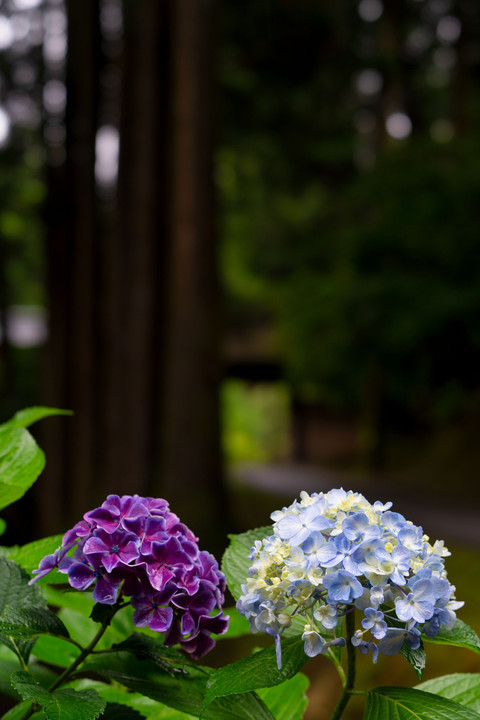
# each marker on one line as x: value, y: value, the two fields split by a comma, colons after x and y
x: 241, y: 241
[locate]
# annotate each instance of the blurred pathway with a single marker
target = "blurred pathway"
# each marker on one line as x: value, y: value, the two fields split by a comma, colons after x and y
x: 453, y: 524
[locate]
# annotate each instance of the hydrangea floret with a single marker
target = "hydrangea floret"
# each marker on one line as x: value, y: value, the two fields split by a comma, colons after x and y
x: 135, y: 547
x: 331, y: 553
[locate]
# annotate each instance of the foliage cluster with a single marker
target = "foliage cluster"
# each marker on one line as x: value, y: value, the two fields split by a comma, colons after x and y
x: 63, y: 655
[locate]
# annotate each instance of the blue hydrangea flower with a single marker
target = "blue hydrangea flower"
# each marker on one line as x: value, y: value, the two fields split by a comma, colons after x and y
x: 135, y: 547
x: 331, y: 553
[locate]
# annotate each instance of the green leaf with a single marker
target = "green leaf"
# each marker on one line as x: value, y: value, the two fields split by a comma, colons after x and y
x: 28, y: 556
x: 28, y: 416
x: 15, y: 592
x: 416, y: 658
x: 463, y: 688
x: 461, y: 635
x: 55, y: 651
x: 184, y: 693
x: 28, y: 622
x: 146, y: 648
x: 80, y: 602
x: 235, y: 562
x: 21, y: 462
x: 63, y: 704
x: 68, y: 704
x: 397, y: 703
x: 287, y: 701
x: 102, y: 613
x: 257, y: 671
x: 3, y: 526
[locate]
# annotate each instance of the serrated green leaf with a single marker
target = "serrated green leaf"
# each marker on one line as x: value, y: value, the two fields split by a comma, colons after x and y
x: 28, y: 622
x: 21, y: 648
x: 68, y: 704
x: 29, y: 688
x: 235, y: 562
x: 461, y: 635
x: 15, y: 592
x: 397, y: 703
x: 257, y: 671
x: 184, y: 693
x: 416, y: 658
x: 287, y: 701
x: 63, y: 704
x: 463, y: 688
x: 28, y: 416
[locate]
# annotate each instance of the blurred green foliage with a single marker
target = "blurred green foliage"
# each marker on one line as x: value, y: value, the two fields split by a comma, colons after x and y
x: 255, y: 421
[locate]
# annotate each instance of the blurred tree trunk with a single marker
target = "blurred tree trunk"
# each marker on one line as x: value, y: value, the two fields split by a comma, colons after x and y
x: 70, y: 376
x: 190, y: 459
x: 135, y: 328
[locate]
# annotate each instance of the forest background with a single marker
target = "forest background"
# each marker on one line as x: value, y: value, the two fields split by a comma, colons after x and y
x: 241, y: 241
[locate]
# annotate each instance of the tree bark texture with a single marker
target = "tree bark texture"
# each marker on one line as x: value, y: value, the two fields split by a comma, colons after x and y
x: 134, y: 307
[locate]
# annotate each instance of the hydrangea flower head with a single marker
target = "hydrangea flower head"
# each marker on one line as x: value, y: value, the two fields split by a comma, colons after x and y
x: 135, y: 547
x: 331, y: 553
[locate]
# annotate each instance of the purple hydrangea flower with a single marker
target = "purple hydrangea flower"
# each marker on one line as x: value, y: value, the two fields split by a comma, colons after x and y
x: 135, y: 547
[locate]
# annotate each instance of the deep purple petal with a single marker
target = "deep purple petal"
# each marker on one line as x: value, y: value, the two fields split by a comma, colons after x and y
x: 80, y: 576
x: 161, y: 619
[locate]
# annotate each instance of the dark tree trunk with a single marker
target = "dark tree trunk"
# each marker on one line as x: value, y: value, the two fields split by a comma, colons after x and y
x: 190, y: 460
x: 135, y: 327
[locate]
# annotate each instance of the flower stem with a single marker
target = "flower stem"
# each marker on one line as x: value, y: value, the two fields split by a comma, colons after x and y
x: 350, y: 676
x: 68, y: 672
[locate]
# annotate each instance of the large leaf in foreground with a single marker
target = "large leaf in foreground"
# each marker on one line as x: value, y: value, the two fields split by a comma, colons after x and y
x: 257, y: 671
x: 463, y: 688
x: 397, y: 703
x: 64, y: 704
x: 287, y: 701
x: 461, y: 635
x: 184, y: 693
x: 28, y: 416
x: 21, y: 460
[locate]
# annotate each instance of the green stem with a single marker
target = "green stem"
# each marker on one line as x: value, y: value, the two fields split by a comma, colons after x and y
x: 68, y: 672
x: 350, y: 677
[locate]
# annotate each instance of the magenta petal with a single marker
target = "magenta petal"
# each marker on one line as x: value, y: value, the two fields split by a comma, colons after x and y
x: 129, y: 552
x: 110, y: 561
x: 160, y: 576
x: 94, y: 546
